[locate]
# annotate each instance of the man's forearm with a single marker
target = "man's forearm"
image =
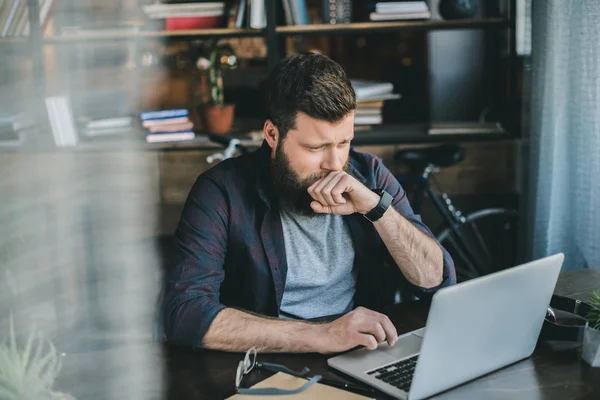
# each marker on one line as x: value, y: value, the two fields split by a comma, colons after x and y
x: 419, y: 257
x: 234, y: 330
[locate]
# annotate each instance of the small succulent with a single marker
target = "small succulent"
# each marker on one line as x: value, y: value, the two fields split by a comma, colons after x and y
x: 28, y: 373
x: 594, y: 314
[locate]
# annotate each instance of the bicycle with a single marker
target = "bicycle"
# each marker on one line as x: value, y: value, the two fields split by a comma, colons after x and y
x: 480, y: 242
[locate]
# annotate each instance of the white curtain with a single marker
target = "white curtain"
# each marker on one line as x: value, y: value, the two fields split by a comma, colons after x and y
x: 565, y: 131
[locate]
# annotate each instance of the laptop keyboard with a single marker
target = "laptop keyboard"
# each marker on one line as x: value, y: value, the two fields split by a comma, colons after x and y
x: 398, y: 374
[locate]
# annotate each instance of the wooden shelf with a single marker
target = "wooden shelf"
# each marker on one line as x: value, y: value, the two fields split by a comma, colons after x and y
x: 400, y: 133
x: 16, y: 40
x: 389, y: 26
x: 110, y: 35
x: 292, y: 30
x: 375, y: 135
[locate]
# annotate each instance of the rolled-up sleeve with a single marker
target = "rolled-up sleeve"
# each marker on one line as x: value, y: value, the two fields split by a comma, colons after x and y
x: 385, y: 179
x: 192, y: 287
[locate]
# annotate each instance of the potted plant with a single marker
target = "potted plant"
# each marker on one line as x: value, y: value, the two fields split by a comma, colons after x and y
x: 216, y: 115
x: 29, y: 372
x: 591, y: 335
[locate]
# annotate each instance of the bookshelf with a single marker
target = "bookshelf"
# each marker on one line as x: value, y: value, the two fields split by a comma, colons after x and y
x: 274, y: 34
x: 285, y: 30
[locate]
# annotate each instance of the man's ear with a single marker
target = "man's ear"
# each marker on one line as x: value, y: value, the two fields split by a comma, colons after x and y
x: 271, y: 134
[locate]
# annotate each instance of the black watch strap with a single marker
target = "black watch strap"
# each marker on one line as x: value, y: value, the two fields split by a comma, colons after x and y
x: 381, y: 207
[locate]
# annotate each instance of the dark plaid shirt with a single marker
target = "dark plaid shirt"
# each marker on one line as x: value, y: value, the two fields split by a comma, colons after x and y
x: 230, y: 249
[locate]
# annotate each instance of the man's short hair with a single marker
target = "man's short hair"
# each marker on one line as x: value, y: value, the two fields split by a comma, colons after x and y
x: 309, y: 83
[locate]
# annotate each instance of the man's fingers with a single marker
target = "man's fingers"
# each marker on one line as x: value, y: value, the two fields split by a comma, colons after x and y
x: 391, y: 333
x: 340, y: 209
x: 315, y: 189
x: 339, y: 189
x: 320, y: 208
x: 367, y: 340
x: 375, y: 329
x: 328, y: 195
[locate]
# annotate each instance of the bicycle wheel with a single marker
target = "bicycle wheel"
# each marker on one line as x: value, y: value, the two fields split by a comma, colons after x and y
x: 486, y: 243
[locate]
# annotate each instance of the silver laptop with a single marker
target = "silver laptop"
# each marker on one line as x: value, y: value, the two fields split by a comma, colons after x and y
x: 473, y: 328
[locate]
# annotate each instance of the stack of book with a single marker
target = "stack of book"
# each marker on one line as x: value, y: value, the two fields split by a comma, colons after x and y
x: 400, y: 10
x: 370, y: 98
x: 13, y: 127
x: 103, y: 113
x: 104, y: 127
x: 14, y: 16
x: 167, y: 126
x: 181, y: 16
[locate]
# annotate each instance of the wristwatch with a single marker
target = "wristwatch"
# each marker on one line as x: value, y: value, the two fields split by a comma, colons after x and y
x: 381, y: 207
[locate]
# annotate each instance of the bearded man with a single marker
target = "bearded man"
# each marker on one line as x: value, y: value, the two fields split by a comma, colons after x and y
x: 305, y: 227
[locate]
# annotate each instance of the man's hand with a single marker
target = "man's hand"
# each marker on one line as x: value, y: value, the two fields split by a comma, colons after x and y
x: 340, y: 193
x: 359, y: 327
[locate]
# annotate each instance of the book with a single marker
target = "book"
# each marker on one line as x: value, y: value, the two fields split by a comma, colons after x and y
x: 287, y: 11
x: 110, y: 123
x: 317, y: 391
x: 464, y: 128
x: 299, y: 13
x: 163, y: 114
x: 368, y: 111
x: 368, y: 120
x: 381, y: 97
x: 375, y: 16
x: 369, y: 103
x: 157, y: 10
x: 15, y: 121
x: 9, y: 22
x: 258, y: 16
x: 169, y: 137
x: 175, y: 23
x: 241, y: 12
x: 112, y: 131
x: 185, y: 126
x: 401, y: 6
x: 369, y: 89
x: 163, y: 122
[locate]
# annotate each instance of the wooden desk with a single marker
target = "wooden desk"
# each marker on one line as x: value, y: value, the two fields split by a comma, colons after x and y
x: 555, y: 370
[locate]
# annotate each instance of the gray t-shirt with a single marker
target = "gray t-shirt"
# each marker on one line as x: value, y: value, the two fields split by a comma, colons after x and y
x: 320, y: 256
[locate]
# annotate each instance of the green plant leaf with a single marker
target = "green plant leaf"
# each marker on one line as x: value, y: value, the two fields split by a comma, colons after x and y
x: 594, y: 314
x: 30, y: 372
x: 27, y: 351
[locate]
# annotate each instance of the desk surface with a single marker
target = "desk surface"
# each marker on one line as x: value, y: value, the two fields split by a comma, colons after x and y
x: 554, y: 371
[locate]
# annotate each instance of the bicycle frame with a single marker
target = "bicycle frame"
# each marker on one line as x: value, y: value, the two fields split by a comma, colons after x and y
x: 452, y: 217
x: 424, y: 187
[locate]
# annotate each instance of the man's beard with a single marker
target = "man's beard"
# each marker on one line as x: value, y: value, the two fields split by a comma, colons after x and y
x: 291, y: 190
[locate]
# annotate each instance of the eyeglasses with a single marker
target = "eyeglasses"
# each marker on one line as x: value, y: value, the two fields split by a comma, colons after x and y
x: 248, y: 364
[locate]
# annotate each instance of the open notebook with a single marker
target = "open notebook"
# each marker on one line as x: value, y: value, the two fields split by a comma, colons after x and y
x: 285, y: 381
